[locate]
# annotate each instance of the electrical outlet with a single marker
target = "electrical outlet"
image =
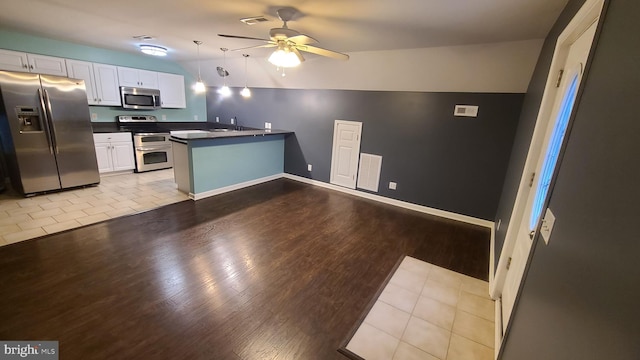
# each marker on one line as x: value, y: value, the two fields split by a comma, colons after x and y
x: 269, y: 125
x: 195, y: 117
x: 392, y: 185
x: 217, y: 119
x: 232, y: 121
x: 94, y: 116
x: 309, y: 167
x: 164, y: 117
x: 498, y: 225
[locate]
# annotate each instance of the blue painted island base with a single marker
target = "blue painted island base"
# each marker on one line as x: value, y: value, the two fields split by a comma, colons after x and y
x: 207, y: 167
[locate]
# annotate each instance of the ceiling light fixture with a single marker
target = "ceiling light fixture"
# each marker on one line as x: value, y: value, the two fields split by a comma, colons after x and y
x: 153, y: 50
x: 283, y: 57
x: 199, y: 86
x: 224, y: 90
x: 245, y: 92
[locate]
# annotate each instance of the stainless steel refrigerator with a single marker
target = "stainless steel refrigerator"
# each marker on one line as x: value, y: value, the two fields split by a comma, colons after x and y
x: 46, y: 134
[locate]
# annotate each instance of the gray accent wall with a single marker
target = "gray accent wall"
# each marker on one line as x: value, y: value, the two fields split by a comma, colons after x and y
x: 450, y: 163
x: 580, y: 295
x: 526, y: 125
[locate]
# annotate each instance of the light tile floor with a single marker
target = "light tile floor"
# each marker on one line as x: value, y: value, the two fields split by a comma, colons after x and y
x: 428, y: 312
x: 117, y: 195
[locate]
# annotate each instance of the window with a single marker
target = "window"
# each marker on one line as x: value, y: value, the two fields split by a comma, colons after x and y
x: 553, y: 150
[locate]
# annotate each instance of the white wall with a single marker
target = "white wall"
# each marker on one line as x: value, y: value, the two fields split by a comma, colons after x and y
x: 499, y: 68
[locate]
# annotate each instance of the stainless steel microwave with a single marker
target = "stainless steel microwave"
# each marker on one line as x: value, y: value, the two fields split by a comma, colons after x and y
x: 139, y: 98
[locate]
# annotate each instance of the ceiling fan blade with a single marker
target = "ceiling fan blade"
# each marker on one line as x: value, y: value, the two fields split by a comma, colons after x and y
x: 256, y: 47
x: 302, y: 39
x: 243, y: 37
x: 323, y: 52
x: 298, y: 54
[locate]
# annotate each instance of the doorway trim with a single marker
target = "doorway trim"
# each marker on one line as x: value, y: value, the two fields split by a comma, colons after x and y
x: 590, y: 12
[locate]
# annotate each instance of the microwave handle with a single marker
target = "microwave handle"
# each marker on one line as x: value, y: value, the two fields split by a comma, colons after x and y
x: 155, y: 101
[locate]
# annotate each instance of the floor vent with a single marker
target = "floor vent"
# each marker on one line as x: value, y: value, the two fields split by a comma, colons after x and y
x: 369, y: 172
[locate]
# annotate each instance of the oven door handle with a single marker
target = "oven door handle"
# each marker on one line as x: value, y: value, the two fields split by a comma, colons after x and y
x: 153, y: 148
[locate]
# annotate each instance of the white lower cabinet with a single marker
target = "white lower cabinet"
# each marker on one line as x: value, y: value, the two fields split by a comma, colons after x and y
x: 114, y: 152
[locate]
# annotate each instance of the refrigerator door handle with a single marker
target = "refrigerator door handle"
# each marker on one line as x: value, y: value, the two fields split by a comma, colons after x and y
x: 49, y: 118
x: 46, y: 120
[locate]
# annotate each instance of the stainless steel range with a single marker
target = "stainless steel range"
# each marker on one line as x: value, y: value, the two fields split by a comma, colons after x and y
x: 151, y: 143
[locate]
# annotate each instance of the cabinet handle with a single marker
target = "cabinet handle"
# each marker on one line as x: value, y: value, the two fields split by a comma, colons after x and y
x: 25, y: 66
x: 31, y: 67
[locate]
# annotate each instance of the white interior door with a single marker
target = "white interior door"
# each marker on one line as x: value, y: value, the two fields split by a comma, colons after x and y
x: 545, y: 166
x: 345, y: 154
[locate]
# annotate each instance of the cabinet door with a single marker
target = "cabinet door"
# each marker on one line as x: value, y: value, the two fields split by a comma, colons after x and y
x: 50, y: 65
x: 84, y: 70
x: 103, y: 155
x: 107, y: 89
x: 13, y: 61
x: 123, y: 156
x: 148, y: 79
x: 128, y: 77
x: 172, y: 90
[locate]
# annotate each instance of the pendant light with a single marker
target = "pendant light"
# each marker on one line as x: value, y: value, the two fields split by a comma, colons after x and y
x: 224, y: 90
x: 245, y: 92
x: 199, y: 86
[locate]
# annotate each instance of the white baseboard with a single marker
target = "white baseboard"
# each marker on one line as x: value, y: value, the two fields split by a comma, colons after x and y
x: 225, y: 189
x: 399, y: 203
x: 498, y: 327
x: 382, y: 199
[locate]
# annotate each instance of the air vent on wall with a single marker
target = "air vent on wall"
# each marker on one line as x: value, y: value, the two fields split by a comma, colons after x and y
x: 254, y: 20
x: 369, y: 172
x: 466, y: 110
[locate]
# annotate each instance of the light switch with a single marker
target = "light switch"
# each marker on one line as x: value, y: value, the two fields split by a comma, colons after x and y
x: 547, y: 225
x: 392, y: 185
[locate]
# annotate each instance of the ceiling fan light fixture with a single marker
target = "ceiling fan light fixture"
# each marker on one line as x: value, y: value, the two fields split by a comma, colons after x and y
x: 153, y: 50
x: 284, y: 58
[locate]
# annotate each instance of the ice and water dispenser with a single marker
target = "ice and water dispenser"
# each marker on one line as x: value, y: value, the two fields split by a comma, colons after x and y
x: 29, y: 119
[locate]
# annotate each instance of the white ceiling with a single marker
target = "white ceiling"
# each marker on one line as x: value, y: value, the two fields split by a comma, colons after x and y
x: 341, y: 25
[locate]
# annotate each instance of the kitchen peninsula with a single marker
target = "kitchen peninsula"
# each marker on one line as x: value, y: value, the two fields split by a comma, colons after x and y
x: 210, y: 162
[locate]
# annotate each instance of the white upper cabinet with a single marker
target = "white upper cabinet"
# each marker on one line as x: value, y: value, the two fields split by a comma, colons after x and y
x: 107, y: 84
x: 84, y: 70
x: 172, y: 94
x: 137, y: 78
x: 41, y: 64
x: 101, y: 81
x: 13, y: 61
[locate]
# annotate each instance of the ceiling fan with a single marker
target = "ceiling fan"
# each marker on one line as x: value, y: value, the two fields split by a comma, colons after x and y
x: 289, y: 43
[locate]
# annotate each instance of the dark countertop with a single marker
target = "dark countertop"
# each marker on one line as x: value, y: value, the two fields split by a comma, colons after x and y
x: 184, y: 138
x: 110, y: 127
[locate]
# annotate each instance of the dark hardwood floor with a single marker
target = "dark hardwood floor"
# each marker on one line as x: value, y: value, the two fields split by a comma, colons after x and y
x: 281, y: 270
